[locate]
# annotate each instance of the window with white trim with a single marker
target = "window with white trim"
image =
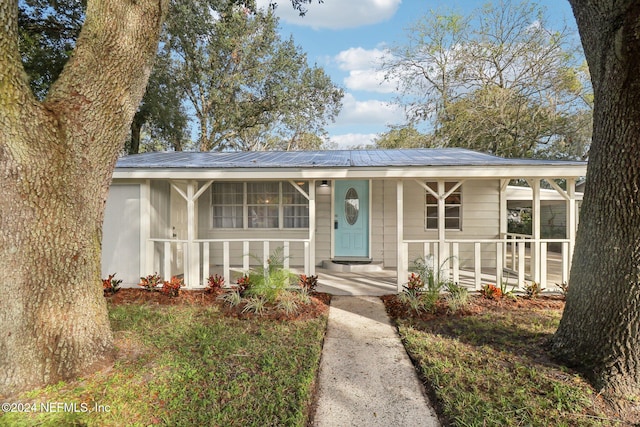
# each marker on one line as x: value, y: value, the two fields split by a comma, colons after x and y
x: 273, y: 204
x: 452, y: 207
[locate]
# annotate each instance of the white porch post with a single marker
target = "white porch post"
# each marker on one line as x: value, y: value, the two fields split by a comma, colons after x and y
x: 193, y: 256
x: 535, y: 250
x: 146, y: 245
x: 312, y: 229
x: 192, y: 264
x: 401, y: 260
x: 504, y: 183
x: 442, y: 249
x: 572, y: 218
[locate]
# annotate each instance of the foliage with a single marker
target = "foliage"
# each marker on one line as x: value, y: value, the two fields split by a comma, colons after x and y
x: 308, y: 283
x: 415, y: 285
x: 289, y: 303
x: 214, y: 284
x: 457, y: 298
x: 417, y: 296
x: 151, y: 282
x: 243, y: 284
x: 232, y: 297
x: 497, y: 80
x: 520, y: 224
x: 505, y: 291
x: 279, y: 101
x: 533, y: 290
x: 403, y: 137
x: 433, y: 277
x: 490, y: 291
x: 564, y: 288
x: 110, y: 285
x: 246, y: 86
x: 267, y: 288
x: 48, y: 34
x: 272, y: 280
x: 255, y: 305
x: 171, y: 288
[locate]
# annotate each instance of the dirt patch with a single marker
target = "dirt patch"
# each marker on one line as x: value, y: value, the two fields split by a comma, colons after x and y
x: 318, y: 306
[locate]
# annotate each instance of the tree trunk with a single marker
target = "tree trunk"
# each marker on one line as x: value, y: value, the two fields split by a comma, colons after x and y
x: 136, y: 127
x: 600, y: 328
x: 56, y: 162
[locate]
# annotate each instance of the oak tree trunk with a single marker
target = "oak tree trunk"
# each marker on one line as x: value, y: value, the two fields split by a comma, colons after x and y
x: 56, y: 162
x: 600, y: 328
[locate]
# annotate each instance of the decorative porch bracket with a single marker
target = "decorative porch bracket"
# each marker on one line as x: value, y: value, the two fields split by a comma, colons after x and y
x: 441, y: 196
x: 193, y: 248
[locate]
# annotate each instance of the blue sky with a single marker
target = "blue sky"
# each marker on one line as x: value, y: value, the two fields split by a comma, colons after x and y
x: 347, y: 38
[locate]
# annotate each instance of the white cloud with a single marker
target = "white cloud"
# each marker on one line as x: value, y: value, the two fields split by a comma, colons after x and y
x: 336, y: 14
x: 350, y: 140
x: 356, y: 58
x: 373, y: 112
x: 363, y: 66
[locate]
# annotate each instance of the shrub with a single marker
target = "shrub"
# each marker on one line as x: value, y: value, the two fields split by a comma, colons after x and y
x: 458, y: 297
x: 255, y: 305
x: 110, y: 285
x: 533, y: 290
x: 564, y: 288
x: 308, y: 283
x: 233, y: 297
x: 242, y: 284
x: 289, y: 303
x: 489, y: 291
x: 172, y: 287
x: 271, y: 281
x: 150, y: 282
x: 214, y: 284
x: 432, y: 276
x: 415, y: 285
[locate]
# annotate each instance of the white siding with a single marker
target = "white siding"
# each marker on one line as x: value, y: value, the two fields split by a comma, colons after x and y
x: 121, y: 234
x: 480, y: 219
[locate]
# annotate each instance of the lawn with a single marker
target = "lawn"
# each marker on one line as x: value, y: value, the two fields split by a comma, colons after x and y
x: 488, y: 366
x: 190, y: 365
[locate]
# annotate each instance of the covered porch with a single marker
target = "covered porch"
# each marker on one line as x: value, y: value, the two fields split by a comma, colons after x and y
x: 448, y: 206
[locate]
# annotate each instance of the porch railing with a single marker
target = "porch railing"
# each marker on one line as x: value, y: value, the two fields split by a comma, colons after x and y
x: 193, y: 260
x: 514, y: 259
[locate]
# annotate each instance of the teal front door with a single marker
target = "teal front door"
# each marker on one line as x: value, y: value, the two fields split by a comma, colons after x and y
x: 351, y: 221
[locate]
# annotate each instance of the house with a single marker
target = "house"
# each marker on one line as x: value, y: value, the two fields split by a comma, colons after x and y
x: 195, y: 213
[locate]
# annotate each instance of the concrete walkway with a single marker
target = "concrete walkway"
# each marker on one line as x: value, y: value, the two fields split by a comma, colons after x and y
x: 366, y: 377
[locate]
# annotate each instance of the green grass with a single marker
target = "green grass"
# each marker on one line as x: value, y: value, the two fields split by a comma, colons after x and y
x: 492, y: 369
x: 186, y: 365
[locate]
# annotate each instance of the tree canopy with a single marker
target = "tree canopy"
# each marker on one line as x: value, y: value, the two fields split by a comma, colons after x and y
x: 498, y: 80
x: 220, y: 66
x: 249, y: 89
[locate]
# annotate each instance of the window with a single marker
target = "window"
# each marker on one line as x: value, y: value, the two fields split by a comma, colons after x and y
x: 227, y: 200
x: 452, y: 207
x: 259, y: 205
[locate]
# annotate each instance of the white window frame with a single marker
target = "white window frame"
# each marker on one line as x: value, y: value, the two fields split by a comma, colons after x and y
x: 280, y: 203
x: 434, y: 205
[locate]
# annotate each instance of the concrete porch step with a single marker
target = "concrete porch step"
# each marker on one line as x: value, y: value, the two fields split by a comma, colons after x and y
x: 356, y: 267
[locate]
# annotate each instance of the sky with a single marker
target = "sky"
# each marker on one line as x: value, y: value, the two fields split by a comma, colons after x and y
x: 347, y: 39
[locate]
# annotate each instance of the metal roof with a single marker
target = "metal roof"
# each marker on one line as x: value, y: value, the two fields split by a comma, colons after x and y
x: 325, y: 159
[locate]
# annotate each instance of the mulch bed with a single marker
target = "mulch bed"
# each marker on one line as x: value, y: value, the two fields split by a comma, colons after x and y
x: 318, y: 307
x: 477, y: 305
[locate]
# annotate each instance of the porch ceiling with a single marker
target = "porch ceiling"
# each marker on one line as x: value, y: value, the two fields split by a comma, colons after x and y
x: 335, y: 164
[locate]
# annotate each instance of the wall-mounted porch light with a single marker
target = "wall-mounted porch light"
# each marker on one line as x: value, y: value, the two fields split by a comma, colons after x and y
x: 324, y: 183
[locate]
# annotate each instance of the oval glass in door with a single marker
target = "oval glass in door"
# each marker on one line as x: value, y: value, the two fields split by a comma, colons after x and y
x: 351, y: 206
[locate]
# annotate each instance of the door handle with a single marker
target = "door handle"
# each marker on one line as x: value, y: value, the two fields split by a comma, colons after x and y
x: 335, y: 225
